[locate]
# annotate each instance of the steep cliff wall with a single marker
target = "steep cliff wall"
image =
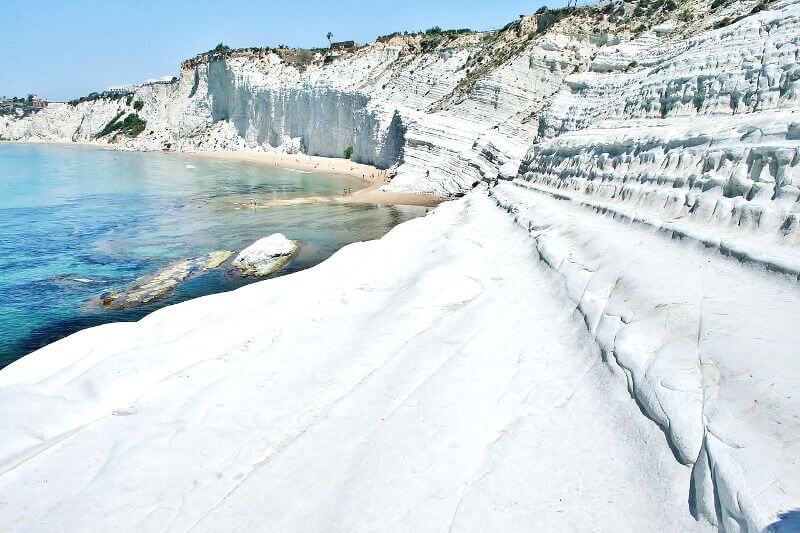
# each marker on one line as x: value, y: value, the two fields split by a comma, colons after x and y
x: 639, y: 257
x: 444, y: 117
x: 457, y: 111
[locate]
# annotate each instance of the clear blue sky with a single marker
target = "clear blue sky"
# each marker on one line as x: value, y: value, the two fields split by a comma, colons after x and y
x: 62, y: 49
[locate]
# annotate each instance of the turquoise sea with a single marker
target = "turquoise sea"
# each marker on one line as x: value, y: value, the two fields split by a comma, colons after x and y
x: 78, y: 221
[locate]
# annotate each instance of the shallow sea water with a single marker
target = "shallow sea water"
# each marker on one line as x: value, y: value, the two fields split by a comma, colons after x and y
x: 78, y: 221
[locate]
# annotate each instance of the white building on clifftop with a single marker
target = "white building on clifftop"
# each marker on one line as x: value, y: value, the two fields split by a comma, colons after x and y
x: 120, y: 89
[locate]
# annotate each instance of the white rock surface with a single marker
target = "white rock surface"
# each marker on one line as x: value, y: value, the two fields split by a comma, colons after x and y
x: 388, y: 388
x: 606, y: 343
x: 265, y: 256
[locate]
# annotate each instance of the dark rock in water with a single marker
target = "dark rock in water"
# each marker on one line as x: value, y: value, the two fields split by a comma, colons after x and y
x: 107, y: 298
x: 154, y: 286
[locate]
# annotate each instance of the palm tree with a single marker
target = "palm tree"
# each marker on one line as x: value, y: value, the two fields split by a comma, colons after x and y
x: 329, y: 36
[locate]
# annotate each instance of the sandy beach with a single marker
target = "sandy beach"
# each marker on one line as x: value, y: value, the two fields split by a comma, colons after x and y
x: 374, y: 176
x: 300, y: 162
x: 373, y: 195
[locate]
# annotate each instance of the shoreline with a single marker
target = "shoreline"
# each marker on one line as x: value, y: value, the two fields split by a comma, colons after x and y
x: 373, y: 176
x: 312, y: 163
x: 373, y: 195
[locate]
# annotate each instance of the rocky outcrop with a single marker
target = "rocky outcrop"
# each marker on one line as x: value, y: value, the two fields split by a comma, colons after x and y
x: 265, y: 256
x: 619, y: 314
x: 155, y: 286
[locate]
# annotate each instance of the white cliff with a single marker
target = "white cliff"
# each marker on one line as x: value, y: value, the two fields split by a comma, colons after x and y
x: 605, y: 340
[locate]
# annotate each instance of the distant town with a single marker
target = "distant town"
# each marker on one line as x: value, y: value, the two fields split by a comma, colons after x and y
x: 21, y: 105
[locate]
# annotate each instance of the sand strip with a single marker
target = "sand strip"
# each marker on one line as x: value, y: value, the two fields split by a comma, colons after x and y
x: 372, y: 195
x: 372, y: 175
x: 301, y: 162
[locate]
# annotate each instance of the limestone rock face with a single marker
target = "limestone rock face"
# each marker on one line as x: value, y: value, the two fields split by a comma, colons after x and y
x: 441, y: 118
x: 604, y: 340
x: 448, y: 116
x: 265, y: 256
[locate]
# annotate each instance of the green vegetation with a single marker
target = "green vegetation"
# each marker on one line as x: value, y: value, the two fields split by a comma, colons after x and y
x: 385, y: 38
x: 299, y: 56
x: 542, y: 10
x: 644, y: 9
x: 727, y: 21
x: 761, y: 6
x: 88, y: 98
x: 429, y: 45
x: 108, y: 128
x: 433, y: 37
x: 348, y: 152
x: 436, y: 30
x: 97, y: 96
x: 138, y: 105
x: 131, y: 126
x: 20, y: 106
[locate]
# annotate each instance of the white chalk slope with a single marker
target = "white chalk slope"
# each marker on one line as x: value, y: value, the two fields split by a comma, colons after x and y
x: 608, y: 341
x: 434, y: 378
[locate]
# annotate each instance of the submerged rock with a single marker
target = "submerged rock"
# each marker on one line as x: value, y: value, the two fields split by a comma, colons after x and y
x: 154, y: 286
x: 261, y: 258
x: 265, y: 256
